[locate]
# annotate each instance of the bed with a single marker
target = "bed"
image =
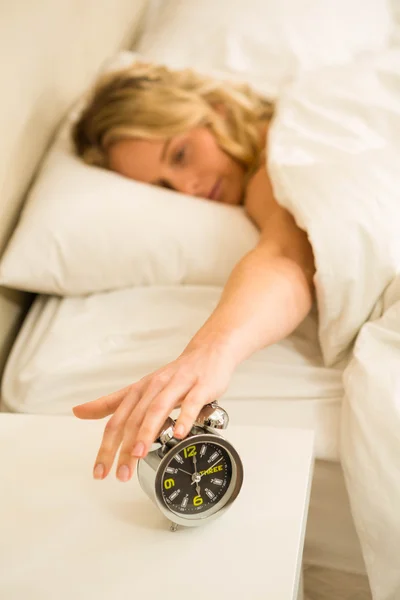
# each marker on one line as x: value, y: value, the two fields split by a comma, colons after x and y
x: 67, y: 340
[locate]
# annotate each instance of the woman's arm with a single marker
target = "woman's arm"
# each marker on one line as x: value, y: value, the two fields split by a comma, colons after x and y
x: 266, y: 297
x: 270, y: 291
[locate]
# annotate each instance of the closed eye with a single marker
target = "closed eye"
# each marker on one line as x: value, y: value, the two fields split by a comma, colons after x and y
x: 179, y: 156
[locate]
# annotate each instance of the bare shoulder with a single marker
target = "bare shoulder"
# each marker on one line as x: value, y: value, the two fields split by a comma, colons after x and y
x: 259, y: 199
x: 277, y: 226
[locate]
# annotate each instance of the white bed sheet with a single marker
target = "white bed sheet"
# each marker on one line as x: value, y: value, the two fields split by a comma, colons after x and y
x: 72, y: 350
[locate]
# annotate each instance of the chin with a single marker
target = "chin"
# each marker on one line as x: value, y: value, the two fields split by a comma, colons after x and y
x: 232, y: 192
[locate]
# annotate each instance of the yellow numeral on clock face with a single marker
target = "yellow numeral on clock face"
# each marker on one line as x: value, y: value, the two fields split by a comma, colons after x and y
x: 169, y: 483
x: 189, y: 451
x: 197, y: 500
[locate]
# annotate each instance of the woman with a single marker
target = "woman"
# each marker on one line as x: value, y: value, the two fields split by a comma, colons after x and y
x: 205, y: 138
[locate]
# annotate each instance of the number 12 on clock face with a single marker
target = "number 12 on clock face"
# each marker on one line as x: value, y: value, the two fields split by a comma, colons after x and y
x: 189, y: 451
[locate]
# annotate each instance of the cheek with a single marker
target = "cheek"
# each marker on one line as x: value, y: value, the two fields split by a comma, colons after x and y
x: 119, y: 160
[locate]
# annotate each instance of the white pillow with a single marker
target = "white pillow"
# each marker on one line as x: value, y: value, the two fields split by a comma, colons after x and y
x: 85, y: 229
x: 273, y: 39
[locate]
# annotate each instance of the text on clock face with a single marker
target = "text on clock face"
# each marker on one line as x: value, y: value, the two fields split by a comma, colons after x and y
x: 212, y: 470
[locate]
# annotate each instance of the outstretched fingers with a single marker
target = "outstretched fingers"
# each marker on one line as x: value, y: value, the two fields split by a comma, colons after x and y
x: 145, y: 424
x: 114, y: 432
x: 102, y: 407
x: 138, y: 414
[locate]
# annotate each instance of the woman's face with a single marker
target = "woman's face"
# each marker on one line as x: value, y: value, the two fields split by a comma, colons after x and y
x: 191, y: 163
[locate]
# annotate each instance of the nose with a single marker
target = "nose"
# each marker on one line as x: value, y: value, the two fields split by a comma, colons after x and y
x: 187, y: 183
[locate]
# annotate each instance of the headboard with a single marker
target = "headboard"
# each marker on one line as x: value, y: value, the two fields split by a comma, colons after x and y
x: 49, y: 51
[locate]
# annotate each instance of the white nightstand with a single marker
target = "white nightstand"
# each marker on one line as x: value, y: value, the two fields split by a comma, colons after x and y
x: 64, y: 536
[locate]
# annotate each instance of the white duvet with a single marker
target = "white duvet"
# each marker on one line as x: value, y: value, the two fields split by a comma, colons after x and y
x: 334, y: 157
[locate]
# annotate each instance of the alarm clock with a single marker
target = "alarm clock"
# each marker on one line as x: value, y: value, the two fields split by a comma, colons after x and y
x: 194, y: 480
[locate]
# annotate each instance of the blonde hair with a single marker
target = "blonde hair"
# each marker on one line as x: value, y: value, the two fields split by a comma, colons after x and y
x: 153, y: 102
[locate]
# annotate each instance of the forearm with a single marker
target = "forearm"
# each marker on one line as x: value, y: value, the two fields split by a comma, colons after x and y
x: 266, y: 297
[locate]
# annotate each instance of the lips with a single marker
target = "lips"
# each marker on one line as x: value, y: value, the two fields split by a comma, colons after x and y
x: 215, y: 192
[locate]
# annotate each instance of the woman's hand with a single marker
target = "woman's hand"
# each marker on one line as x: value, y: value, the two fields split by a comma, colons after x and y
x: 197, y: 377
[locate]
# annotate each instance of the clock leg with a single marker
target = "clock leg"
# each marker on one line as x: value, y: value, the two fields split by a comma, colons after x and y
x: 173, y: 526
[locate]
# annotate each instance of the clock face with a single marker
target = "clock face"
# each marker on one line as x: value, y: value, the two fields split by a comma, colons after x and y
x: 196, y: 478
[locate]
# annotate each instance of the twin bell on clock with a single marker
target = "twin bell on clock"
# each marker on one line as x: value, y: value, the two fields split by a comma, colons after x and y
x: 194, y: 480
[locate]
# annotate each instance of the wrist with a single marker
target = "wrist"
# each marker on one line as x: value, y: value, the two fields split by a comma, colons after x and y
x: 217, y: 342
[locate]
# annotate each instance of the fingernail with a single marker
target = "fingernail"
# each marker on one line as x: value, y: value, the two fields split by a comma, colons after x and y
x: 98, y: 471
x: 123, y: 473
x: 138, y: 450
x: 178, y: 431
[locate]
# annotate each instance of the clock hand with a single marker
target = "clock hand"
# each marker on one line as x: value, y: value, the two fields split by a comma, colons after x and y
x: 187, y: 472
x: 198, y: 489
x: 216, y: 462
